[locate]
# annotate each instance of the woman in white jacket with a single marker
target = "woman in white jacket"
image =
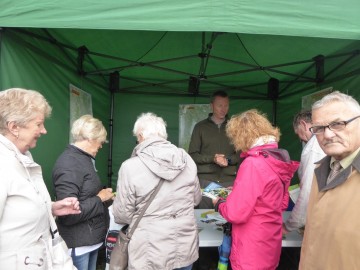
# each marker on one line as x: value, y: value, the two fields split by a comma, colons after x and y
x: 167, y: 236
x: 25, y: 206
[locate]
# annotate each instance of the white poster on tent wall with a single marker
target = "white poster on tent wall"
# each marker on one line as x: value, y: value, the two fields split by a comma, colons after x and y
x: 189, y: 115
x: 308, y: 100
x: 80, y: 104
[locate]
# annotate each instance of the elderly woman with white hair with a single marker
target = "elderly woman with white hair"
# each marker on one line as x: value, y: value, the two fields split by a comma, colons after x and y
x: 27, y: 227
x: 167, y: 236
x: 74, y: 175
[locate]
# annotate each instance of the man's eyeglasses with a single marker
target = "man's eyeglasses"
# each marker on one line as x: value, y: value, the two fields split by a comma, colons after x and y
x: 334, y: 126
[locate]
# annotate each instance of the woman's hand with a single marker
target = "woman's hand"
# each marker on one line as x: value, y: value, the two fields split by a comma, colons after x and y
x: 214, y: 201
x: 105, y: 194
x: 284, y: 230
x: 67, y: 206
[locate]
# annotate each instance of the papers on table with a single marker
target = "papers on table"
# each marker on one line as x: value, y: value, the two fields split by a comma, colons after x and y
x: 216, y: 216
x: 214, y: 190
x: 294, y: 192
x: 212, y: 217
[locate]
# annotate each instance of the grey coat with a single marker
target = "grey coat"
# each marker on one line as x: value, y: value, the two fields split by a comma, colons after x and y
x: 167, y: 235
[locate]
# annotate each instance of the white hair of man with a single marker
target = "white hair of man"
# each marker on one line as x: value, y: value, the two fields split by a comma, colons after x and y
x: 337, y: 96
x: 150, y: 125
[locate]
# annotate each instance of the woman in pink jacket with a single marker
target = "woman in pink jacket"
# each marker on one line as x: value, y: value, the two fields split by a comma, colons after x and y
x: 260, y: 192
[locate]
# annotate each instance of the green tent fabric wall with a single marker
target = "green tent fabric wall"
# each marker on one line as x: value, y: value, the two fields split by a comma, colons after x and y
x: 22, y: 67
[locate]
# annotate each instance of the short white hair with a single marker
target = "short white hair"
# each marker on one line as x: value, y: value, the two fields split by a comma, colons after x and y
x: 150, y: 125
x: 337, y: 96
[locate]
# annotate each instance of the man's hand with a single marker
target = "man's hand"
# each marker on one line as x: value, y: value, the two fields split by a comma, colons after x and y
x: 214, y: 201
x: 67, y: 206
x: 220, y: 159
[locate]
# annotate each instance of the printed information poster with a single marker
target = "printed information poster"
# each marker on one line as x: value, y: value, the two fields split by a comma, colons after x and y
x: 308, y: 100
x: 80, y: 104
x: 189, y: 115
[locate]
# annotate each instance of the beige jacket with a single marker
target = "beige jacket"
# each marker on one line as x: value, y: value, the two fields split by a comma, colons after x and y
x: 167, y: 235
x: 332, y: 235
x: 25, y: 240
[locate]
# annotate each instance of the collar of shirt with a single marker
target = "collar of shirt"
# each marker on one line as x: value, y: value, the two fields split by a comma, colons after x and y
x: 346, y: 162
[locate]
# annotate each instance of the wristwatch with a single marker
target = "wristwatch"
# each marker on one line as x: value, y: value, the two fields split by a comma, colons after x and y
x: 228, y: 160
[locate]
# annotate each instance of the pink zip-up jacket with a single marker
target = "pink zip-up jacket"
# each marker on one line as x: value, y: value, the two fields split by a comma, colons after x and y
x: 254, y: 207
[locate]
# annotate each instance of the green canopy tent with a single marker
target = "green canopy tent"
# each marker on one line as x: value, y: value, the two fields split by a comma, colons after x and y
x: 139, y: 56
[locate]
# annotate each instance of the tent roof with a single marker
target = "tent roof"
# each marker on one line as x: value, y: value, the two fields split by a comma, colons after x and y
x: 235, y: 46
x: 166, y: 62
x: 322, y: 18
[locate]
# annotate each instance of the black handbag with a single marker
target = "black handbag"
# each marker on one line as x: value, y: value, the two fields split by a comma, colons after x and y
x: 120, y: 254
x: 227, y: 228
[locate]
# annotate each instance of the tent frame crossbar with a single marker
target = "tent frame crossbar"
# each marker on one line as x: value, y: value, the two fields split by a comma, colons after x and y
x: 204, y: 55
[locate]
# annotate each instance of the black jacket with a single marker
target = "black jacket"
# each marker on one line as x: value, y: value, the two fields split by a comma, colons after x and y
x: 74, y: 175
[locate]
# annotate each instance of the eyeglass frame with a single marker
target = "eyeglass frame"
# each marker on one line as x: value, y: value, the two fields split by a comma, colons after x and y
x: 331, y: 124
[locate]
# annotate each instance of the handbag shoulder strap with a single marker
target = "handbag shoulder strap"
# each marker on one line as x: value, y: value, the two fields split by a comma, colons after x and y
x: 145, y: 207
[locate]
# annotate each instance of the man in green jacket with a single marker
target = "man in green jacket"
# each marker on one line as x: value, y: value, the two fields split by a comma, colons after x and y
x: 216, y: 160
x: 210, y: 148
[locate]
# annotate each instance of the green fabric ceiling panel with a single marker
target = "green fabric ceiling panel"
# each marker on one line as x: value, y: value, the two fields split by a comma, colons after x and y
x: 322, y: 18
x: 162, y: 62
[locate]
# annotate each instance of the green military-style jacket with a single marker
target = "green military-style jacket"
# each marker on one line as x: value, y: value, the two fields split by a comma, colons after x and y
x: 208, y: 139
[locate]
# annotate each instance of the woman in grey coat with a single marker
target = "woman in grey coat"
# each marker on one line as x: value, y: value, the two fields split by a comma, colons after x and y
x: 167, y: 235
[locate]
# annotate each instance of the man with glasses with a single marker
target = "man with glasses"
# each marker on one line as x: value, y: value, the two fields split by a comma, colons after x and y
x: 310, y: 154
x: 332, y: 235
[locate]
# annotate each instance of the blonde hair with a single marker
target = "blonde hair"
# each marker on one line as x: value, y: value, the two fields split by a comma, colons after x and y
x: 150, y: 125
x: 21, y: 106
x: 88, y: 128
x: 243, y: 129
